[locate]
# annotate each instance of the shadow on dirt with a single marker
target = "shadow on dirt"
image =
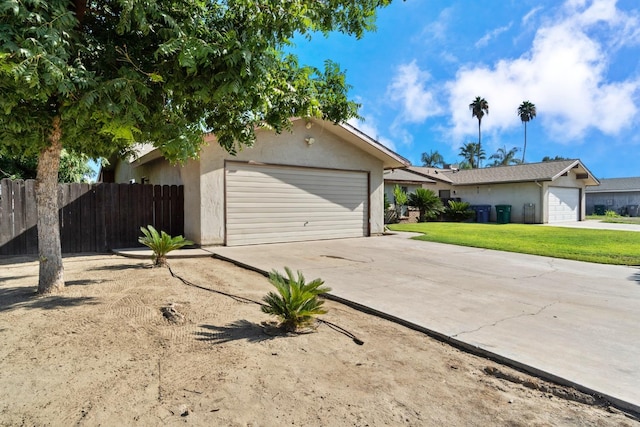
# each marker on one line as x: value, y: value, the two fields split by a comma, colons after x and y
x: 119, y: 267
x: 236, y: 331
x: 21, y: 297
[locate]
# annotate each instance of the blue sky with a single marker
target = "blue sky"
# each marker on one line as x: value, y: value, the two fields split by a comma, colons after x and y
x: 578, y: 61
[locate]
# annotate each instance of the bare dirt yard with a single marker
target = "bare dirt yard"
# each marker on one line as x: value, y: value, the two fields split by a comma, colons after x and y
x: 103, y: 353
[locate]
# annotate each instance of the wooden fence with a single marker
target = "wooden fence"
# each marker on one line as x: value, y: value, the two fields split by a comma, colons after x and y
x: 93, y: 217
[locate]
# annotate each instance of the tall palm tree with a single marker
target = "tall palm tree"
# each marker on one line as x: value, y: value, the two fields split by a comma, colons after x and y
x: 479, y: 107
x: 472, y: 153
x: 526, y: 111
x: 502, y: 157
x: 432, y: 159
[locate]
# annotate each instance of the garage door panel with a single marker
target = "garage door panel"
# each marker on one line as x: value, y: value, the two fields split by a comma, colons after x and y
x: 268, y: 204
x: 564, y: 204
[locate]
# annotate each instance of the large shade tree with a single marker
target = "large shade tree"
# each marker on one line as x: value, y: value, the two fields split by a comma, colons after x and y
x: 479, y: 107
x: 95, y: 77
x: 526, y: 112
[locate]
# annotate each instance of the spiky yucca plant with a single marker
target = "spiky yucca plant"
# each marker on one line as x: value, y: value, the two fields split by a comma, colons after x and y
x: 295, y: 303
x: 161, y: 244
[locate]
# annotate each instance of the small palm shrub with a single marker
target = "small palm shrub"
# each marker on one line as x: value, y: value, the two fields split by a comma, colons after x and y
x: 427, y: 202
x: 400, y: 199
x: 161, y: 244
x: 295, y: 302
x: 611, y: 214
x: 459, y: 211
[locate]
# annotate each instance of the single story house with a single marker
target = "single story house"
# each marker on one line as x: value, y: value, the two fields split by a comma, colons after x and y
x: 621, y: 195
x: 546, y: 192
x: 319, y: 181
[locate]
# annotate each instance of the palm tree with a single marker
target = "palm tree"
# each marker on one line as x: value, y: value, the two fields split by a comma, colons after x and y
x: 479, y: 107
x: 526, y: 111
x: 432, y: 159
x: 428, y: 203
x: 472, y: 153
x: 505, y: 158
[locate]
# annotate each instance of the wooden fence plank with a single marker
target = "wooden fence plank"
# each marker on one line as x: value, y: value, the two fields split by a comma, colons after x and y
x: 87, y: 218
x: 92, y: 217
x: 31, y: 217
x: 6, y: 217
x: 173, y: 218
x: 157, y: 207
x: 179, y: 211
x: 19, y: 226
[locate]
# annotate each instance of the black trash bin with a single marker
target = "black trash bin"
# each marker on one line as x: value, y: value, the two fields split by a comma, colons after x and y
x: 632, y: 210
x: 482, y: 212
x: 503, y: 214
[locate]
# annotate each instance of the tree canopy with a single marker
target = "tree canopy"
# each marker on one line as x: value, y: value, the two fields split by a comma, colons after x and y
x: 97, y: 77
x: 73, y: 167
x: 432, y: 159
x: 504, y: 157
x: 471, y: 153
x: 526, y: 112
x: 479, y: 107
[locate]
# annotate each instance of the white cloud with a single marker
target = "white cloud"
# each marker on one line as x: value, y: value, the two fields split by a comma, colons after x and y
x: 529, y: 16
x: 484, y: 41
x: 370, y: 128
x: 408, y: 89
x: 564, y: 74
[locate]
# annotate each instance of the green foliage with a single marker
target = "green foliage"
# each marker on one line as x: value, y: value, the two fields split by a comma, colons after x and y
x: 504, y: 157
x: 553, y: 159
x: 161, y: 244
x: 130, y: 71
x: 601, y: 246
x: 400, y: 199
x: 472, y: 154
x: 432, y: 159
x: 526, y: 112
x: 427, y: 202
x: 295, y: 303
x: 611, y: 214
x: 479, y: 107
x: 73, y: 167
x: 458, y: 211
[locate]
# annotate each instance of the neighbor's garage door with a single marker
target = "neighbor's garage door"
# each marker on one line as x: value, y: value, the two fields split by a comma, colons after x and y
x: 269, y: 204
x: 564, y: 204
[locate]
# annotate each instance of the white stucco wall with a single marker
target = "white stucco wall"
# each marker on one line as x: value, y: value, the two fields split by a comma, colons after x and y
x: 287, y: 149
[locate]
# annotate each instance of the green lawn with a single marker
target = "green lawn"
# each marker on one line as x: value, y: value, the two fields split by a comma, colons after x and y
x: 601, y: 246
x: 616, y: 219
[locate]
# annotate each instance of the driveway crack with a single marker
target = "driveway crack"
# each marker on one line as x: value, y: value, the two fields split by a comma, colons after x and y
x: 540, y: 310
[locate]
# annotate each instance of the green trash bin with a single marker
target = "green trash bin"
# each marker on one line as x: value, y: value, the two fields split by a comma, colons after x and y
x: 503, y: 214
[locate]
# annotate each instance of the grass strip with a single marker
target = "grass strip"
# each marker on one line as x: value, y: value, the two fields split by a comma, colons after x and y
x: 599, y: 246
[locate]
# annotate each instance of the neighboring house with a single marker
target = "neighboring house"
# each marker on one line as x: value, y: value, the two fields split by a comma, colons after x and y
x: 407, y: 181
x: 319, y: 181
x: 621, y: 195
x: 546, y: 192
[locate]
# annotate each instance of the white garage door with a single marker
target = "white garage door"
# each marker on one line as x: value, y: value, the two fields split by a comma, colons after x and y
x: 269, y: 204
x: 564, y: 204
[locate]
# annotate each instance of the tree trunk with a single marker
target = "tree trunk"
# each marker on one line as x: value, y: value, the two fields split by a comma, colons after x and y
x: 50, y: 252
x: 524, y: 150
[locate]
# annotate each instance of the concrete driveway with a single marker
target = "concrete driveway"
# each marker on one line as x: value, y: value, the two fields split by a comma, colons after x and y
x: 574, y: 321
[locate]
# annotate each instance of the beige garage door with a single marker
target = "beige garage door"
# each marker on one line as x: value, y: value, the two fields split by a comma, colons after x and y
x: 563, y: 204
x: 270, y: 204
